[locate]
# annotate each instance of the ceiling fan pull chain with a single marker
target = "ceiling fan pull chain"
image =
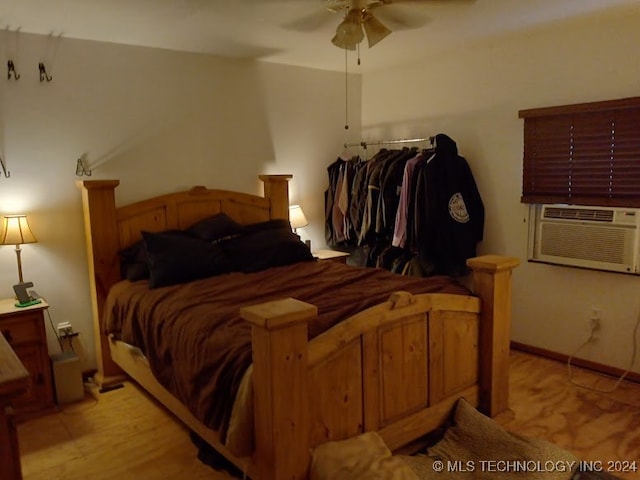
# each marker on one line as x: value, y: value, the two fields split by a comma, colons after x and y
x: 358, y: 54
x: 346, y: 92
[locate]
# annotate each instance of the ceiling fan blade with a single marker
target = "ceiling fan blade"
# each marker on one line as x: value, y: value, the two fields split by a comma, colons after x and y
x: 433, y: 2
x: 337, y: 5
x: 324, y: 13
x: 400, y: 17
x: 312, y: 21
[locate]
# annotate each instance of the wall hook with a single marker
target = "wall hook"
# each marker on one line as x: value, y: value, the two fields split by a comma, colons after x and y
x: 43, y: 73
x: 11, y: 69
x: 4, y: 169
x: 81, y: 170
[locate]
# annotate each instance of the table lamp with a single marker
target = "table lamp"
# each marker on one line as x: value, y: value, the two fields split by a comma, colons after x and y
x: 16, y: 231
x: 297, y: 218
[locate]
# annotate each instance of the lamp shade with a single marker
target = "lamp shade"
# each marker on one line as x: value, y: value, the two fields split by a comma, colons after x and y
x: 349, y: 33
x: 339, y: 41
x: 375, y: 30
x: 16, y: 231
x: 296, y: 217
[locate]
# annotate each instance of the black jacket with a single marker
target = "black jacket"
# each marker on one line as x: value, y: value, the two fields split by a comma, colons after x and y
x: 449, y: 213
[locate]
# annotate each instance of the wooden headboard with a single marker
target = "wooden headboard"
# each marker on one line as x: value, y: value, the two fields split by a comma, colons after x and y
x: 109, y: 229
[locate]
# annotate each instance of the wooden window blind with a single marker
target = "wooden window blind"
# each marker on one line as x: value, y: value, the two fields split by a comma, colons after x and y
x: 584, y: 154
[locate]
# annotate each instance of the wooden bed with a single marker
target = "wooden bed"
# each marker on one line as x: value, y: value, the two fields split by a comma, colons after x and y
x: 396, y: 368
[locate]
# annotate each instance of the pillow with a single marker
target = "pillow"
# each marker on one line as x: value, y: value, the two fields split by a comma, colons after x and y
x: 133, y: 262
x: 175, y: 257
x: 257, y: 248
x: 365, y: 457
x: 133, y: 259
x: 477, y: 442
x: 276, y: 224
x: 214, y: 228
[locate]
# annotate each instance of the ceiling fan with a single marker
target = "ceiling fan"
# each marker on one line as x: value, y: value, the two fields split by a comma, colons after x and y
x: 361, y: 18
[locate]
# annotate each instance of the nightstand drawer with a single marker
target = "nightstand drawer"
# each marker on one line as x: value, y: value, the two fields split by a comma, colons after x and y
x: 21, y: 330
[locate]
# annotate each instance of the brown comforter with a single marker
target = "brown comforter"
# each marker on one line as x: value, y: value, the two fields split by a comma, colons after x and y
x: 197, y: 345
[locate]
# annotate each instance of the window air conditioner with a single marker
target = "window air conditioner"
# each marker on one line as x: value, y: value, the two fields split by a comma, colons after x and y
x: 600, y: 238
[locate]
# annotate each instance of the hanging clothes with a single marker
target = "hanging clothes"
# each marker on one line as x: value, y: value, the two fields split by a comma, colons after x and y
x: 404, y: 206
x: 333, y: 172
x: 358, y: 198
x: 390, y: 186
x: 339, y: 227
x: 448, y: 219
x: 367, y: 228
x: 400, y: 223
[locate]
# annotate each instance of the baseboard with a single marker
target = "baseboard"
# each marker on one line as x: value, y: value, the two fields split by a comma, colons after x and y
x: 578, y: 362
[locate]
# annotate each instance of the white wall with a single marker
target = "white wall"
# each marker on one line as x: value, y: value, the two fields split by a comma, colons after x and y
x: 159, y: 121
x: 473, y: 94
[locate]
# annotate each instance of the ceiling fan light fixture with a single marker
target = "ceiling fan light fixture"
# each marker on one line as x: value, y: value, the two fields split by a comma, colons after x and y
x: 349, y: 33
x: 374, y: 28
x: 339, y: 41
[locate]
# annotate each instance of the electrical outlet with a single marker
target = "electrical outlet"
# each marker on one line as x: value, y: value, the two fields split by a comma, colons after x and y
x: 594, y: 322
x: 65, y: 329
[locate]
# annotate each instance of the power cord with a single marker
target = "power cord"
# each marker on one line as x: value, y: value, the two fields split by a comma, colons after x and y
x: 74, y: 409
x: 68, y: 337
x: 54, y: 331
x: 619, y: 380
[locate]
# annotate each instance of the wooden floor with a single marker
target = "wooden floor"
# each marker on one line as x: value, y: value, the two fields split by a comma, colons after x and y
x: 123, y: 434
x: 599, y: 427
x: 120, y: 435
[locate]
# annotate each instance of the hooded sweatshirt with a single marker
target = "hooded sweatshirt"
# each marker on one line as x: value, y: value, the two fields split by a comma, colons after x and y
x: 449, y: 213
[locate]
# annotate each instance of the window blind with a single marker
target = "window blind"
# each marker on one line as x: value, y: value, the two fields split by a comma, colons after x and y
x: 584, y: 154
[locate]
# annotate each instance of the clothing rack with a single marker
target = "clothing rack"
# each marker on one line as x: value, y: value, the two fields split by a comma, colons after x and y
x: 364, y: 144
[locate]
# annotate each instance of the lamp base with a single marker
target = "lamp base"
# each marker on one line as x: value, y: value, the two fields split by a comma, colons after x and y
x: 35, y: 301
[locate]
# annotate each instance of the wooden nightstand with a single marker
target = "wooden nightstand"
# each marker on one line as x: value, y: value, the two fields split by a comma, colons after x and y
x: 23, y: 329
x: 331, y: 256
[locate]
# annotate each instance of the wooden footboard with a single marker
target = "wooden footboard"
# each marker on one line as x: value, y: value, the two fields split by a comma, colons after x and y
x: 396, y: 368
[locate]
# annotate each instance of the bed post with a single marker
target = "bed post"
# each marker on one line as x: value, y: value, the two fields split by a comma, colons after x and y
x: 276, y: 189
x: 101, y: 234
x: 281, y: 402
x: 492, y: 283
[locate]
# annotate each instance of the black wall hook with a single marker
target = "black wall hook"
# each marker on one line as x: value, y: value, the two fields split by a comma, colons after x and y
x: 81, y: 169
x: 3, y: 167
x: 11, y: 69
x: 43, y: 73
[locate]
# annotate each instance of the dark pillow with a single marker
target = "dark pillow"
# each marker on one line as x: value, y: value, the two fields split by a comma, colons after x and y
x: 260, y: 249
x: 214, y: 228
x: 178, y: 258
x: 133, y: 262
x: 276, y: 224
